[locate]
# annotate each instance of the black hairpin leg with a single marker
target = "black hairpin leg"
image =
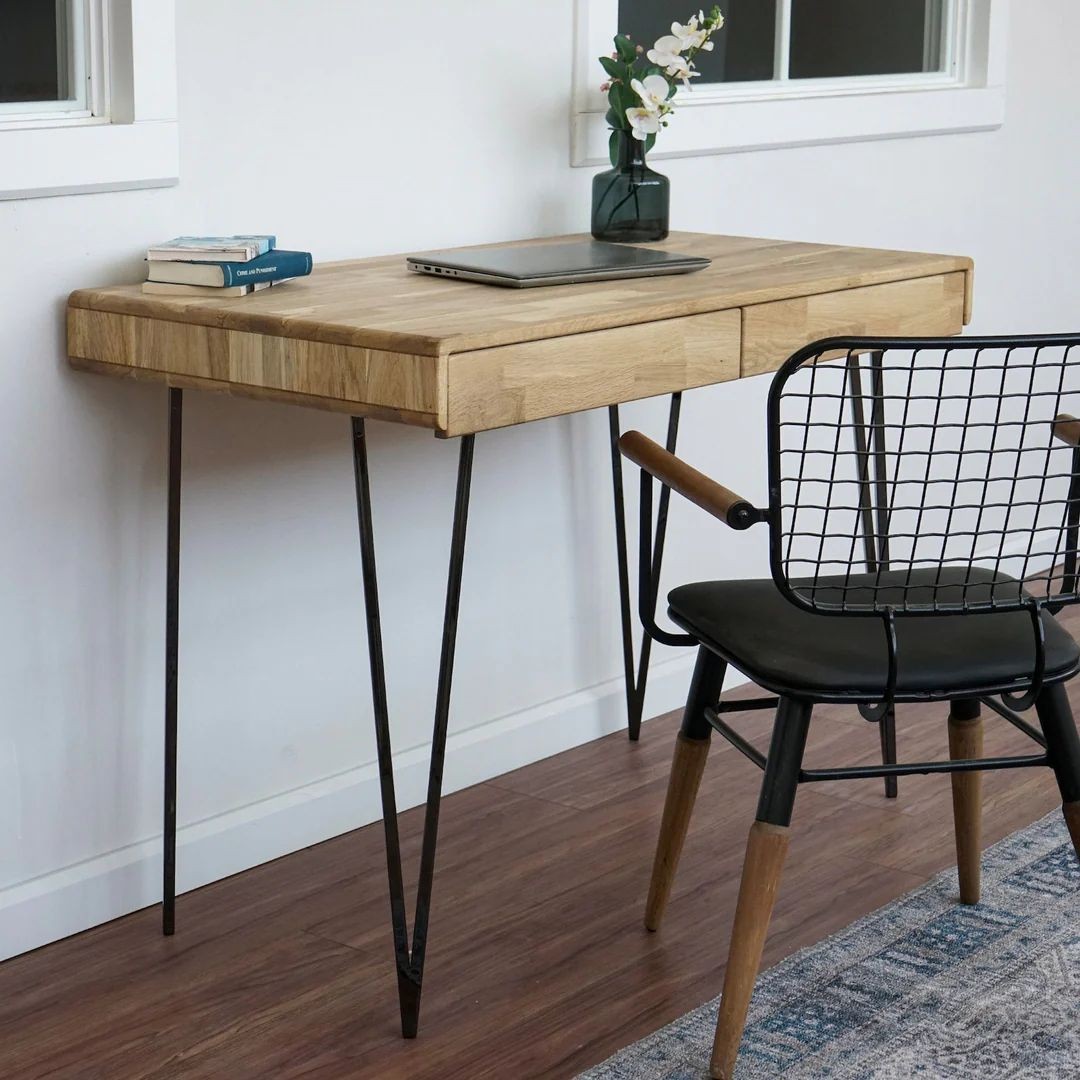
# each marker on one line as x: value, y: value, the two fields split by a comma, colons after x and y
x: 172, y: 613
x: 636, y: 683
x: 410, y: 963
x: 874, y: 510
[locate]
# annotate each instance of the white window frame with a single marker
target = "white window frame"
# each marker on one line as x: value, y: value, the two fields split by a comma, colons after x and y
x: 80, y: 62
x: 967, y: 95
x: 120, y: 129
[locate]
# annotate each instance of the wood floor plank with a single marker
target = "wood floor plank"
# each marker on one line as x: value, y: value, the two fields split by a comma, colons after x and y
x: 538, y: 963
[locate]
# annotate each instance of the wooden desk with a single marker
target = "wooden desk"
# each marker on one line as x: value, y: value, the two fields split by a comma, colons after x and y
x: 372, y: 339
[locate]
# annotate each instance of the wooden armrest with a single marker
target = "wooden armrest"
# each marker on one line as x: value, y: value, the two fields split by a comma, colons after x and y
x: 1067, y: 429
x: 731, y: 509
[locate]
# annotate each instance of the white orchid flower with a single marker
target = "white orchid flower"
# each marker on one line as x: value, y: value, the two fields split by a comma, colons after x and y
x: 643, y: 123
x: 690, y: 36
x: 680, y: 69
x: 653, y: 91
x: 665, y: 51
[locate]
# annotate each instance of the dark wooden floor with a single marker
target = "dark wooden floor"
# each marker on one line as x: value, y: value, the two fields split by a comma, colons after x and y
x: 538, y: 964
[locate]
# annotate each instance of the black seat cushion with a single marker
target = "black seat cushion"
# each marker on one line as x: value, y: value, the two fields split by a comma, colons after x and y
x: 786, y: 649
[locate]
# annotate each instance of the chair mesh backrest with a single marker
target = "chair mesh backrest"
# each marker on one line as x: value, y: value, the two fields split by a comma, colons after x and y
x: 902, y: 456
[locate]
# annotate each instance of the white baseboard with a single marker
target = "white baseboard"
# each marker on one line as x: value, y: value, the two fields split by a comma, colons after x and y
x: 73, y: 899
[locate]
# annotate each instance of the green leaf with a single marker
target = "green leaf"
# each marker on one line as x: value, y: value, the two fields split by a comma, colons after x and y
x: 622, y: 98
x: 613, y: 67
x: 650, y: 142
x: 613, y: 147
x: 626, y: 49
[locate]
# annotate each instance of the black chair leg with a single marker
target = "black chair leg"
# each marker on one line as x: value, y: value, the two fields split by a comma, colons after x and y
x: 887, y: 729
x: 687, y: 765
x: 1063, y: 749
x: 766, y: 849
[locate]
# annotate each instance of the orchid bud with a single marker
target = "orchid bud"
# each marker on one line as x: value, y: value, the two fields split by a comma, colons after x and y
x: 605, y: 87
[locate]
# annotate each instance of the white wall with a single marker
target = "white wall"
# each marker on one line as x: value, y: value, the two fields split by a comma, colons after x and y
x: 352, y: 130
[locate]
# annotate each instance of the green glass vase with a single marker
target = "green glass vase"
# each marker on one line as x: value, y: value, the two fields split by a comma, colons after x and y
x: 630, y: 202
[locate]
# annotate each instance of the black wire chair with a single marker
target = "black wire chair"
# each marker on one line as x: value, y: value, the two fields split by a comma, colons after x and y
x: 924, y: 511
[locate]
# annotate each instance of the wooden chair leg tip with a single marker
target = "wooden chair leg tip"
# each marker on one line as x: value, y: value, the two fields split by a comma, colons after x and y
x: 1071, y: 811
x: 655, y: 907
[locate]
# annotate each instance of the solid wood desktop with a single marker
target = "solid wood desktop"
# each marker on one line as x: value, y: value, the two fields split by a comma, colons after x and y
x: 373, y: 339
x: 370, y: 338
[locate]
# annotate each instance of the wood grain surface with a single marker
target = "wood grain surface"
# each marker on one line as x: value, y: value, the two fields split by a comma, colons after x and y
x: 682, y: 477
x: 928, y: 307
x: 512, y: 384
x: 759, y: 884
x: 538, y: 964
x: 347, y: 378
x: 687, y: 768
x: 379, y: 304
x: 370, y: 337
x: 966, y: 741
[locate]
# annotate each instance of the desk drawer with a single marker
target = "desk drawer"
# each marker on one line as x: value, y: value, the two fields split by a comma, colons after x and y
x: 512, y: 384
x: 927, y: 306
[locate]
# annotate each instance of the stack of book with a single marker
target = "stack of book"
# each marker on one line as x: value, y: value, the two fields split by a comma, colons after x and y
x: 221, y: 265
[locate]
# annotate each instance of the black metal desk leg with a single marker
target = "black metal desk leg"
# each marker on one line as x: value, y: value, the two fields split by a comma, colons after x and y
x: 635, y: 684
x: 410, y: 963
x: 172, y: 611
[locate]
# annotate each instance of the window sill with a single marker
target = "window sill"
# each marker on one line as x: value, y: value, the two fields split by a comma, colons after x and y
x: 139, y: 147
x: 83, y: 158
x: 714, y: 127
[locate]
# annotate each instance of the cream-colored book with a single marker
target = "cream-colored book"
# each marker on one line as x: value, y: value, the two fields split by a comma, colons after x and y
x: 165, y: 288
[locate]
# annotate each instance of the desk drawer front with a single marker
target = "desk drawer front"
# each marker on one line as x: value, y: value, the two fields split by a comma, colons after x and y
x: 512, y: 384
x: 928, y: 306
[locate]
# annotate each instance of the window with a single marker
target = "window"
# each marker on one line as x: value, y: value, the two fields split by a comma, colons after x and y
x: 52, y: 61
x: 87, y: 96
x: 779, y: 40
x: 836, y: 38
x: 43, y: 59
x: 37, y: 59
x: 742, y: 51
x: 794, y: 72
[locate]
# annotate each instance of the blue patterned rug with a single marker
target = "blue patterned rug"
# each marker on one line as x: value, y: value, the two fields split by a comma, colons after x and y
x: 922, y: 988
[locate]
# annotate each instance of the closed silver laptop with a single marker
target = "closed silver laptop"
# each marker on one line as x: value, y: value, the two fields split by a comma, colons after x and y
x: 523, y: 266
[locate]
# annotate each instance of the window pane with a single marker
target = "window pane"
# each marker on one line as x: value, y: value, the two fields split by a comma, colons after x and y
x: 865, y: 37
x: 743, y: 48
x: 32, y: 42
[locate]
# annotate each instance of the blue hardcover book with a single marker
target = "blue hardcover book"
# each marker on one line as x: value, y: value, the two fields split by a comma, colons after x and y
x: 273, y: 266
